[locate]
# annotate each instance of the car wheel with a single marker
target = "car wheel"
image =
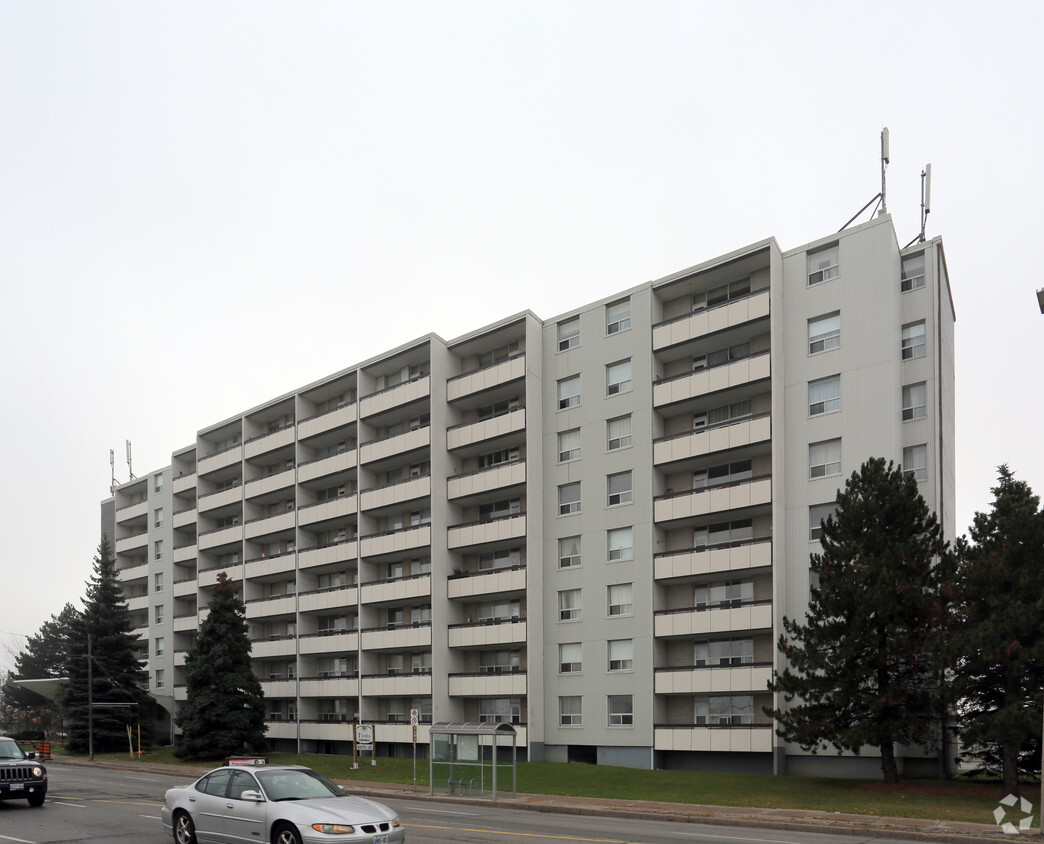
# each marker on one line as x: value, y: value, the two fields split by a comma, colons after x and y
x: 184, y: 829
x: 37, y: 799
x: 287, y: 834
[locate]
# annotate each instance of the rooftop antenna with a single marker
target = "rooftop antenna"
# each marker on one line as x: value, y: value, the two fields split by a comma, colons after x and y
x: 130, y: 469
x: 880, y: 196
x: 112, y: 468
x: 926, y: 203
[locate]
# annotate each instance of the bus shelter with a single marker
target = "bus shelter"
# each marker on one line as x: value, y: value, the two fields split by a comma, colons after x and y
x: 466, y: 758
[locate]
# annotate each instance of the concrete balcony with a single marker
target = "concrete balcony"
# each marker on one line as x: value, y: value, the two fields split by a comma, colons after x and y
x: 392, y: 446
x: 273, y: 648
x: 398, y: 493
x: 326, y: 466
x: 263, y: 566
x: 184, y: 623
x: 131, y: 543
x: 487, y: 685
x: 129, y: 575
x: 183, y: 483
x: 712, y: 680
x: 268, y: 442
x: 744, y: 739
x: 132, y: 512
x: 328, y: 599
x: 284, y: 605
x: 281, y: 523
x: 335, y: 508
x: 716, y: 559
x: 396, y: 542
x: 329, y: 687
x: 269, y: 483
x: 486, y: 378
x: 690, y: 504
x: 281, y: 729
x: 184, y: 518
x: 481, y: 533
x: 506, y: 632
x: 179, y: 658
x: 185, y: 588
x: 221, y: 536
x: 326, y: 422
x: 221, y: 460
x: 339, y: 552
x: 139, y: 602
x: 329, y: 730
x: 397, y: 685
x: 397, y: 638
x: 180, y: 693
x: 207, y: 578
x: 487, y: 583
x: 694, y: 622
x: 713, y: 380
x: 184, y: 554
x: 397, y: 591
x: 401, y: 394
x: 694, y: 326
x: 279, y: 688
x: 706, y: 441
x: 221, y: 498
x: 329, y: 643
x: 486, y: 429
x: 498, y: 477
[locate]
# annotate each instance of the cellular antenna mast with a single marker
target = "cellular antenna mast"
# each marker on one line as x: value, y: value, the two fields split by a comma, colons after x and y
x: 130, y: 469
x: 926, y: 203
x: 112, y: 468
x: 880, y: 196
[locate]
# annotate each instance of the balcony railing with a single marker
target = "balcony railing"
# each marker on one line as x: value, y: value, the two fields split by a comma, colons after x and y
x: 728, y: 423
x: 725, y: 304
x: 710, y: 487
x: 717, y: 605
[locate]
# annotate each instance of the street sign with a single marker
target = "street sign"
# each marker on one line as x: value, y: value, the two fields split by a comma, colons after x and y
x: 414, y: 718
x: 364, y: 734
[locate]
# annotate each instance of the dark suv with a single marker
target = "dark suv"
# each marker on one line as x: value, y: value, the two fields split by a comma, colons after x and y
x: 21, y: 776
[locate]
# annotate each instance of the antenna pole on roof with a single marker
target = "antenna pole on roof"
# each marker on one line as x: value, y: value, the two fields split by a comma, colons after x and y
x: 884, y: 164
x: 926, y: 196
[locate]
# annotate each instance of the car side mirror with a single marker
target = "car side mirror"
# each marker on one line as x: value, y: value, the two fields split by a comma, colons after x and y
x: 31, y: 754
x: 252, y: 796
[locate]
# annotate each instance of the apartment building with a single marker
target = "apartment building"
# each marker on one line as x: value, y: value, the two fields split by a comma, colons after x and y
x: 589, y: 527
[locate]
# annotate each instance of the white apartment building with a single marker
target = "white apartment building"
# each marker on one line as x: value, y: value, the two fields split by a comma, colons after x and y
x: 589, y: 527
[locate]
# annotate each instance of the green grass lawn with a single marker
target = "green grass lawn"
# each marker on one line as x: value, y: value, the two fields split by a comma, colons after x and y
x: 931, y: 799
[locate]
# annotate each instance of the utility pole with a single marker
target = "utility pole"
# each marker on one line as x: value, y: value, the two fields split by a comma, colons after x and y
x: 90, y: 701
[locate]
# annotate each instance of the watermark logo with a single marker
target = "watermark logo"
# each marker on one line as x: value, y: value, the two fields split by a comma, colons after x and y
x: 1004, y: 813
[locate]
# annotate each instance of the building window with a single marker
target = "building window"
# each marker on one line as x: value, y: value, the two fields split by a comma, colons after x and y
x: 823, y: 265
x: 568, y: 552
x: 157, y: 583
x: 501, y: 559
x: 721, y: 357
x: 157, y: 485
x: 620, y: 653
x: 721, y: 295
x: 718, y: 416
x: 725, y: 474
x: 824, y: 458
x: 502, y: 710
x: 570, y: 658
x: 824, y: 395
x: 569, y: 334
x: 568, y: 445
x: 724, y: 594
x: 618, y: 316
x: 913, y: 340
x: 735, y: 532
x: 621, y: 710
x: 569, y: 392
x: 160, y: 678
x: 570, y: 711
x: 619, y: 488
x: 723, y: 652
x: 915, y: 462
x: 158, y: 548
x: 618, y: 378
x: 500, y: 662
x: 620, y: 542
x: 158, y: 613
x: 493, y: 510
x: 620, y: 599
x: 502, y: 610
x: 913, y: 273
x: 498, y: 355
x: 485, y: 461
x: 725, y: 710
x: 618, y: 433
x: 914, y: 400
x: 160, y: 646
x: 500, y: 408
x: 157, y: 517
x: 817, y: 514
x: 569, y: 499
x: 824, y: 333
x: 569, y: 607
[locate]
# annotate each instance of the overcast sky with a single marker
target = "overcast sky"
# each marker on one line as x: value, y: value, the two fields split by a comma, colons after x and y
x: 205, y: 205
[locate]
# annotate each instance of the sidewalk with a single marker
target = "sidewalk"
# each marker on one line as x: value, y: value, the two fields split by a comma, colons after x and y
x: 787, y: 819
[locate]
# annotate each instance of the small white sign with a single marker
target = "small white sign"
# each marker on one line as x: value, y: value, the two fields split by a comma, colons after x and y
x: 414, y: 717
x: 364, y: 733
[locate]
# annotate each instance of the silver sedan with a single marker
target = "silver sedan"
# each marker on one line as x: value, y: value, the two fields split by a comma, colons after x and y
x: 275, y: 804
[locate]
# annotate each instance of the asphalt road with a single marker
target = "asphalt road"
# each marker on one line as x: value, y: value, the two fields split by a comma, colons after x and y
x: 123, y: 807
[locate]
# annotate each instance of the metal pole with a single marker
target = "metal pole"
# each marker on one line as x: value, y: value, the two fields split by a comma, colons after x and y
x: 90, y: 701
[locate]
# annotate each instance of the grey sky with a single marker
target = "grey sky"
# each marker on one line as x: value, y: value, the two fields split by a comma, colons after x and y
x: 204, y: 205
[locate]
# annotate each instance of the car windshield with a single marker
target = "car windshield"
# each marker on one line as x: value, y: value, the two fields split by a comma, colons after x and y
x: 9, y: 749
x: 296, y: 785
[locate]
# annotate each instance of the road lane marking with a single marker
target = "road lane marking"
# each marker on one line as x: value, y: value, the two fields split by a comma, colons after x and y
x: 523, y: 834
x: 61, y: 803
x: 151, y: 817
x: 19, y: 840
x: 737, y: 838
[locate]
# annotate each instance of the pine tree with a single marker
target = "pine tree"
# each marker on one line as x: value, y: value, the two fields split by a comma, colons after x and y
x: 44, y: 656
x: 998, y: 638
x: 860, y: 669
x: 118, y: 674
x: 224, y: 710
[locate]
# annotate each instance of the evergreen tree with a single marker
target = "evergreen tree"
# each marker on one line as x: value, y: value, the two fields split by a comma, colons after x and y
x: 225, y: 708
x: 44, y: 656
x: 998, y: 638
x: 860, y: 670
x: 118, y: 674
